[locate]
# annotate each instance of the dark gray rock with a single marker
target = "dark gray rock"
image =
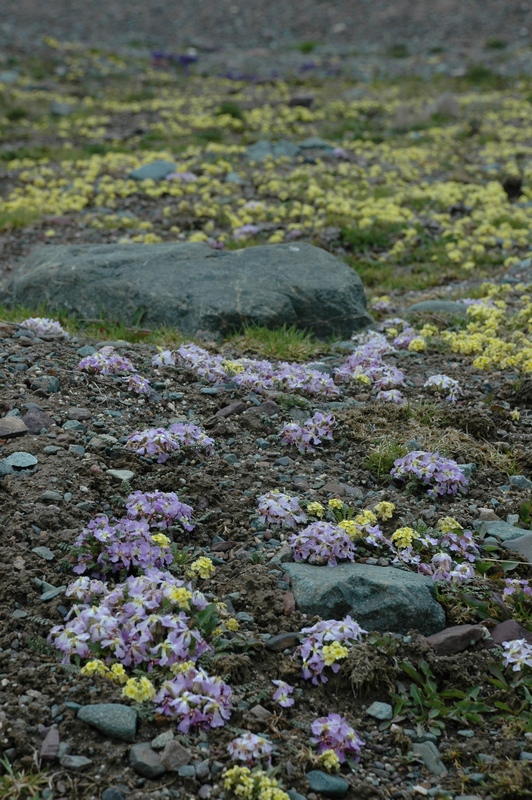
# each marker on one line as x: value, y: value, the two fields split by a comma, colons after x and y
x: 46, y: 383
x: 520, y: 482
x: 316, y: 143
x: 438, y: 307
x: 378, y: 598
x: 112, y: 719
x: 76, y: 763
x: 502, y: 531
x: 37, y: 420
x: 145, y: 761
x: 155, y: 171
x: 328, y: 785
x: 522, y: 545
x: 112, y: 793
x: 192, y: 287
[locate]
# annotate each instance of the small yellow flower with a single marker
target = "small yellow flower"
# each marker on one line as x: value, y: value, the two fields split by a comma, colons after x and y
x: 403, y: 537
x: 316, y: 509
x: 161, y: 539
x: 140, y: 690
x: 366, y: 517
x: 417, y: 345
x: 233, y: 367
x: 333, y: 652
x: 180, y: 596
x: 94, y: 667
x: 329, y: 760
x: 232, y: 624
x: 202, y: 567
x: 449, y: 525
x: 384, y: 510
x: 335, y: 504
x: 117, y: 674
x: 351, y: 528
x: 515, y: 415
x: 181, y: 666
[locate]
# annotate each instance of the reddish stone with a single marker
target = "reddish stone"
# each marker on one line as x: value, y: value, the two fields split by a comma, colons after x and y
x: 37, y: 420
x: 234, y: 408
x: 507, y: 631
x: 289, y: 604
x: 456, y: 639
x: 12, y: 426
x: 50, y: 745
x: 174, y: 756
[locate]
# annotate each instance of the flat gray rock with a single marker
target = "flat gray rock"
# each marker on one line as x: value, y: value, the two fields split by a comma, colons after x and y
x: 145, y: 761
x: 378, y: 598
x: 502, y: 531
x: 21, y: 460
x: 12, y: 426
x: 327, y: 785
x: 522, y: 545
x: 112, y: 719
x: 155, y: 171
x: 430, y: 755
x: 192, y: 287
x: 438, y: 307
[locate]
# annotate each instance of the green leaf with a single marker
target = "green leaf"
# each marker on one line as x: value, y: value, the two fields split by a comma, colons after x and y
x: 411, y: 671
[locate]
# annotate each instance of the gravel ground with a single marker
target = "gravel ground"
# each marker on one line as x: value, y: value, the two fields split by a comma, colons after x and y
x: 241, y: 23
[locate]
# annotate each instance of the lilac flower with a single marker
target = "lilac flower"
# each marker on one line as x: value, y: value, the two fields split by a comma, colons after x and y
x: 42, y: 326
x: 403, y: 340
x: 441, y: 475
x: 160, y: 509
x: 184, y: 177
x: 518, y: 653
x: 282, y: 694
x: 392, y: 396
x: 162, y: 443
x: 190, y: 435
x: 250, y: 748
x: 165, y: 358
x: 106, y: 362
x: 196, y: 699
x: 245, y: 231
x: 461, y: 543
x: 136, y: 383
x: 312, y: 432
x: 322, y: 543
x: 333, y: 732
x: 325, y: 644
x: 284, y: 510
x: 513, y: 585
x: 462, y: 572
x: 441, y: 384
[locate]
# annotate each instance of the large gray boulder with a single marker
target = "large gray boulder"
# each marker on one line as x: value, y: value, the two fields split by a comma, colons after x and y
x: 193, y: 287
x: 378, y: 598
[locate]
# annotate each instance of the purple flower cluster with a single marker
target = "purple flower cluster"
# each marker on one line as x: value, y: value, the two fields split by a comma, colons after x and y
x: 313, y: 431
x: 514, y: 586
x: 441, y: 384
x: 124, y: 545
x: 162, y: 442
x: 42, y: 326
x: 367, y: 363
x: 136, y: 383
x: 146, y: 621
x: 443, y: 568
x: 391, y: 396
x: 197, y: 699
x: 325, y: 643
x: 250, y: 749
x: 333, y: 732
x: 276, y: 508
x: 257, y: 375
x: 164, y: 358
x: 160, y: 509
x: 518, y: 653
x: 106, y: 362
x: 282, y: 694
x: 322, y: 543
x: 441, y: 475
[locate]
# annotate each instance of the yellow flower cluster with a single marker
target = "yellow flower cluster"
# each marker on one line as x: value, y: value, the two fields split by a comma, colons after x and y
x: 140, y: 690
x: 180, y: 596
x: 335, y: 504
x: 329, y: 760
x: 449, y: 525
x: 232, y: 624
x: 333, y: 652
x: 232, y: 367
x: 316, y: 509
x: 255, y: 785
x: 384, y: 510
x: 115, y: 672
x: 404, y: 537
x: 161, y: 539
x: 202, y: 568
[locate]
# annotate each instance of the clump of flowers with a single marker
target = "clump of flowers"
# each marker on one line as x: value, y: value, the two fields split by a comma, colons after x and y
x: 106, y: 362
x: 250, y: 748
x: 284, y: 510
x: 325, y: 644
x: 164, y: 358
x: 314, y: 431
x: 140, y: 690
x: 283, y: 694
x: 442, y: 384
x: 333, y: 732
x: 150, y: 620
x: 517, y: 654
x: 441, y: 475
x: 162, y: 442
x: 391, y: 396
x: 137, y: 384
x: 322, y: 543
x: 255, y: 785
x: 202, y: 568
x: 197, y: 699
x: 366, y: 365
x: 160, y: 509
x: 43, y: 326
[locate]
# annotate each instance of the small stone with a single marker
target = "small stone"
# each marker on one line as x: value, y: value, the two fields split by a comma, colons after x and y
x: 293, y: 795
x: 50, y: 496
x: 380, y: 711
x: 121, y: 475
x: 160, y: 742
x: 111, y: 719
x: 73, y: 425
x: 156, y: 171
x: 175, y: 756
x: 524, y: 755
x: 21, y: 460
x: 503, y: 531
x: 51, y: 594
x: 145, y: 761
x: 51, y: 449
x: 205, y: 791
x: 507, y: 631
x: 50, y: 746
x: 202, y: 769
x: 5, y: 468
x: 455, y: 639
x: 187, y: 771
x: 77, y: 763
x: 86, y: 350
x: 43, y: 552
x: 19, y: 613
x: 77, y: 449
x: 234, y: 408
x: 449, y: 307
x: 467, y: 733
x: 260, y: 713
x: 231, y: 458
x: 12, y: 426
x: 112, y: 793
x: 212, y: 390
x: 46, y: 383
x: 488, y: 515
x: 520, y: 482
x: 37, y: 420
x: 429, y: 754
x: 328, y: 785
x: 80, y: 413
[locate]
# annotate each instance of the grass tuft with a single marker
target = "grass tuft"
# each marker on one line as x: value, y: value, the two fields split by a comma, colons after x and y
x: 286, y: 343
